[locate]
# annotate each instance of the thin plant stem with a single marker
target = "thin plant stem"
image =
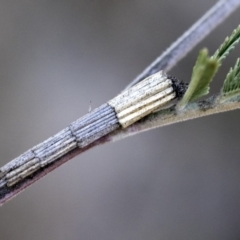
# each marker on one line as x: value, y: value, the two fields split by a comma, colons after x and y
x: 172, y: 116
x: 195, y: 34
x: 158, y: 119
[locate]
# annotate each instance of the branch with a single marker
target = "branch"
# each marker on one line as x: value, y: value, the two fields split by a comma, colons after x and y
x: 170, y: 116
x: 195, y: 34
x: 158, y: 119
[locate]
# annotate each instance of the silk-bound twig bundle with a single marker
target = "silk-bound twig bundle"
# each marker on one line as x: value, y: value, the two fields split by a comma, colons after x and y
x: 149, y: 95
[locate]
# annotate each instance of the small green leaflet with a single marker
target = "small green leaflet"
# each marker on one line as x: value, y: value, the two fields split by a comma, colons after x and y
x: 228, y: 45
x: 231, y: 86
x: 203, y: 73
x: 206, y: 68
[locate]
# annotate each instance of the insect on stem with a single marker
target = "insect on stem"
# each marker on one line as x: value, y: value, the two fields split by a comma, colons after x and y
x: 128, y: 107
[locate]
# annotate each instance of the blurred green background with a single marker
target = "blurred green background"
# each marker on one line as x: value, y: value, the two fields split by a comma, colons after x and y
x: 176, y: 182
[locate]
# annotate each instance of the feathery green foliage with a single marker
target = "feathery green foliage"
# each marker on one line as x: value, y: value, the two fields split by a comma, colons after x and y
x: 231, y: 86
x: 206, y: 67
x: 228, y: 45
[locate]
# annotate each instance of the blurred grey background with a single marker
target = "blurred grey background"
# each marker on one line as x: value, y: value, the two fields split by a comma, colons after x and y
x: 176, y: 182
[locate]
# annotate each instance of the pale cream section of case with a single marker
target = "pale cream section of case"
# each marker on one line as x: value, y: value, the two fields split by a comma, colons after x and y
x: 143, y: 98
x: 125, y: 109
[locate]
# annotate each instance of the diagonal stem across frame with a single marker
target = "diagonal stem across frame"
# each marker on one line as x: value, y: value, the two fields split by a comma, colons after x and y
x: 184, y: 44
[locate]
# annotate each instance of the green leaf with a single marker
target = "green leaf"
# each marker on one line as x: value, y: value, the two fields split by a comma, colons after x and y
x: 203, y: 73
x: 206, y: 68
x: 228, y: 45
x: 231, y: 86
